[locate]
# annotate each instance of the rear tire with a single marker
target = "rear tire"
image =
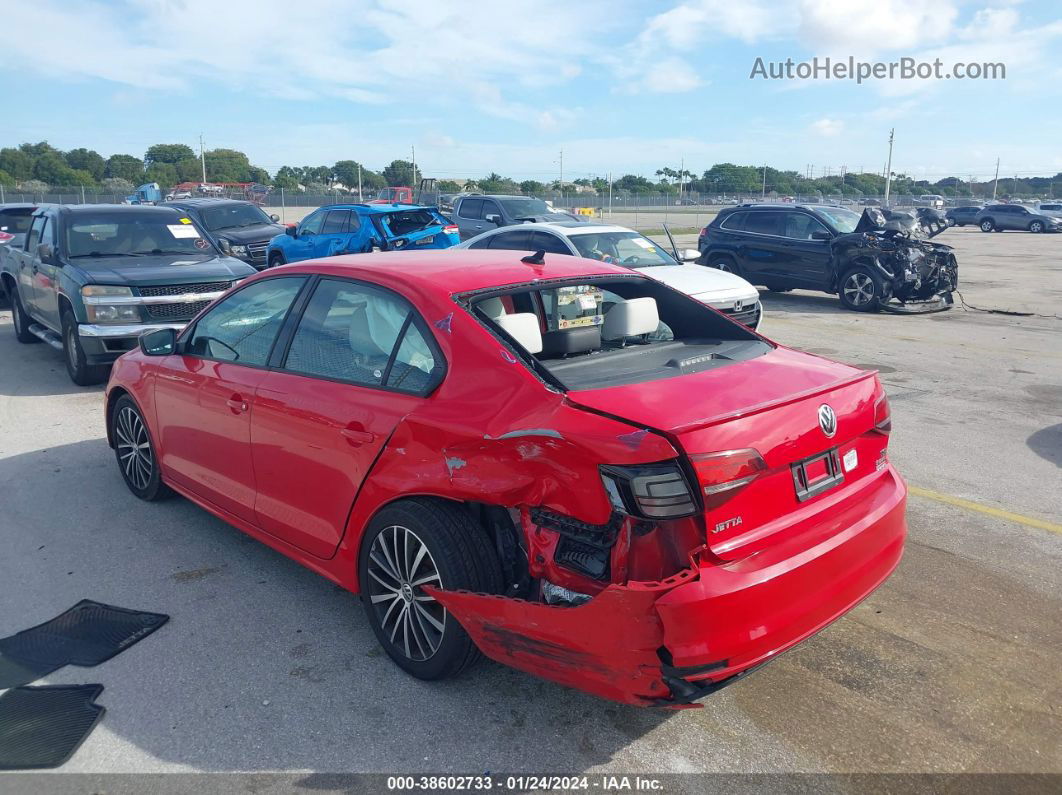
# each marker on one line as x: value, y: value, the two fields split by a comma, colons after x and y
x: 987, y: 225
x: 81, y: 372
x: 412, y: 543
x: 861, y: 290
x: 20, y: 321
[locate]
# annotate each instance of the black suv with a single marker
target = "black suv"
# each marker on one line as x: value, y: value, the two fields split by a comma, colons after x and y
x: 866, y: 260
x: 239, y: 228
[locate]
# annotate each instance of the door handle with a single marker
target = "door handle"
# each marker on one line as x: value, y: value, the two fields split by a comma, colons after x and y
x: 358, y: 437
x: 237, y: 404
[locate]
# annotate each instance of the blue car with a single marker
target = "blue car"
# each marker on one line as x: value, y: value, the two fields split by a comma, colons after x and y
x: 361, y: 228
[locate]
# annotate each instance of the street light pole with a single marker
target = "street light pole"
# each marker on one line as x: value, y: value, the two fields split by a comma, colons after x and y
x: 202, y: 156
x: 888, y: 169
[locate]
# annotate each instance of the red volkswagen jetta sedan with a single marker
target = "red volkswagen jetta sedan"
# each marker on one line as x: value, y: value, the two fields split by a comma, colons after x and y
x: 559, y: 463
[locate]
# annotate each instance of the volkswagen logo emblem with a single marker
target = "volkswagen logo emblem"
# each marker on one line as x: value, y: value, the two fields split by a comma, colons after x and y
x: 827, y: 420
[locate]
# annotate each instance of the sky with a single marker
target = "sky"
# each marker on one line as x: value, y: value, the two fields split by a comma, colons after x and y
x: 619, y: 86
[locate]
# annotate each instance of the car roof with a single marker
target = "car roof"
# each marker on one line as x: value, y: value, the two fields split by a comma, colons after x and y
x: 202, y: 202
x: 370, y: 209
x: 84, y: 209
x: 454, y: 271
x: 19, y: 206
x: 566, y: 228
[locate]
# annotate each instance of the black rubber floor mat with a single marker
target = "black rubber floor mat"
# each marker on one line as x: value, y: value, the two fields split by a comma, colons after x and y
x: 41, y: 727
x: 87, y: 634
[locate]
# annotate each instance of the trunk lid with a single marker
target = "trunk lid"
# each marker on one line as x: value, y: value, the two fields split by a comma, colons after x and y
x: 769, y: 404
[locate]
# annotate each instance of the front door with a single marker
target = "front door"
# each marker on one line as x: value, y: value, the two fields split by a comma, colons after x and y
x: 204, y: 394
x: 804, y: 258
x: 358, y: 362
x: 334, y: 237
x: 303, y: 244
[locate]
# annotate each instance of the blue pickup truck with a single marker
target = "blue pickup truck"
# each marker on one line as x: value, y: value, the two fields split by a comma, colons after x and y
x: 89, y: 279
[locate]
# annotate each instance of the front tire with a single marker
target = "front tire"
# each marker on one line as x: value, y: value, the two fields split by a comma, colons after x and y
x: 135, y: 452
x: 861, y: 290
x: 724, y: 264
x: 1036, y: 227
x: 276, y: 259
x: 408, y: 545
x: 81, y: 372
x: 20, y: 320
x: 987, y: 225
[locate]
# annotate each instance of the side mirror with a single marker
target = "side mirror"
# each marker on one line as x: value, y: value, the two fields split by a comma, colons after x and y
x: 821, y: 234
x: 494, y: 218
x: 160, y: 342
x: 690, y: 255
x: 45, y: 253
x: 274, y: 218
x: 225, y: 246
x: 291, y: 230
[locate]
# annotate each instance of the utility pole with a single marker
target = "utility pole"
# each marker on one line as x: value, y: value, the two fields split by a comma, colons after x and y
x: 843, y: 168
x: 682, y: 168
x: 359, y: 183
x: 202, y: 156
x: 610, y: 195
x: 561, y: 183
x: 995, y: 181
x: 413, y: 179
x: 764, y: 194
x: 888, y: 168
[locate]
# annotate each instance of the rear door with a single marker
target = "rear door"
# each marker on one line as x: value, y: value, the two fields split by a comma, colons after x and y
x: 762, y: 246
x: 469, y: 217
x: 204, y: 395
x: 359, y: 360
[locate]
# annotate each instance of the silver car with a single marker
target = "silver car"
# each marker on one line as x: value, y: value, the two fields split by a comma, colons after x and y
x: 1000, y: 217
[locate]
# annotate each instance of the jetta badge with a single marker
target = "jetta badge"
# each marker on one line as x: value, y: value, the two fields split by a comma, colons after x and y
x: 827, y: 420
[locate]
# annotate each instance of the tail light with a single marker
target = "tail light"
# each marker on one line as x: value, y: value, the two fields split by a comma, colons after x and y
x: 4, y: 237
x: 722, y: 474
x: 704, y: 232
x: 452, y: 229
x: 882, y: 415
x: 655, y: 491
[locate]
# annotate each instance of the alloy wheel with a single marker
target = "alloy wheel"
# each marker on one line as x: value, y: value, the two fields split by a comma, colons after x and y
x: 71, y: 347
x: 134, y: 448
x: 400, y: 565
x: 859, y: 289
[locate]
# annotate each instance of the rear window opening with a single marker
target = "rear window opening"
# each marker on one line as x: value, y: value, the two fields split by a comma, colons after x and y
x: 614, y: 331
x: 409, y: 221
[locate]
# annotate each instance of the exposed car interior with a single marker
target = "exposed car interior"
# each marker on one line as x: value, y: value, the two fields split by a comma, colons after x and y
x: 612, y: 332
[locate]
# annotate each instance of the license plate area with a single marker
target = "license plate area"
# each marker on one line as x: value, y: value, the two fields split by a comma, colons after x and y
x: 817, y: 474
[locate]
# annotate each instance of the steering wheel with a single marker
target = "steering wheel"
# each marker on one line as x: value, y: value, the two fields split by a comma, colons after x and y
x: 634, y: 259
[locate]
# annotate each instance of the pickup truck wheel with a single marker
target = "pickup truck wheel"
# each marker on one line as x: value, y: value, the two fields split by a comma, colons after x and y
x: 20, y: 321
x: 861, y: 290
x: 135, y: 452
x: 81, y: 372
x: 415, y: 543
x: 276, y: 259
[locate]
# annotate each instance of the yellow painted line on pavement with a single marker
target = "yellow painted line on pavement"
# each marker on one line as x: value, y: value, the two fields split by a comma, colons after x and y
x: 999, y: 513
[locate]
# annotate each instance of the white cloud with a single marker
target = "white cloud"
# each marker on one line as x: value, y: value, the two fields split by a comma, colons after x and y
x: 827, y: 127
x: 862, y: 27
x: 690, y: 24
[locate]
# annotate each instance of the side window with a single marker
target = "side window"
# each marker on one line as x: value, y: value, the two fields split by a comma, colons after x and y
x: 34, y: 235
x: 735, y: 222
x: 551, y: 244
x: 355, y: 221
x: 515, y: 241
x: 800, y: 226
x: 491, y: 207
x: 336, y: 222
x: 353, y: 332
x: 471, y: 208
x: 485, y: 243
x: 242, y: 328
x: 764, y: 223
x: 312, y: 224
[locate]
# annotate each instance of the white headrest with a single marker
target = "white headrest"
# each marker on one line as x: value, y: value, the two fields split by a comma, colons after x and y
x: 523, y: 327
x: 492, y: 307
x: 630, y: 319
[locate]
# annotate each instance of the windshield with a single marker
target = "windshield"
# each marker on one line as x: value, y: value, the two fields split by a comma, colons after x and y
x: 522, y: 208
x: 133, y: 235
x: 843, y: 221
x: 16, y: 222
x: 623, y: 248
x: 233, y: 216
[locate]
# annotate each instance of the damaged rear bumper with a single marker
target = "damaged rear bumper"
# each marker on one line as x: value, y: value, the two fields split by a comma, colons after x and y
x: 672, y: 642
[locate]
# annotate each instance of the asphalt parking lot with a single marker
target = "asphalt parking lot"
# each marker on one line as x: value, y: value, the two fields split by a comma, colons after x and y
x: 951, y: 666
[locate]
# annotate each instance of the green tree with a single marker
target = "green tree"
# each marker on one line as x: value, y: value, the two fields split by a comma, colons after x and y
x: 227, y: 165
x: 163, y: 173
x: 532, y: 187
x: 87, y: 160
x: 6, y: 179
x: 79, y: 176
x: 117, y: 186
x: 52, y: 169
x: 168, y: 153
x: 449, y: 186
x: 634, y: 184
x: 496, y: 183
x: 400, y: 172
x: 17, y: 163
x: 125, y: 167
x: 39, y: 149
x: 189, y: 170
